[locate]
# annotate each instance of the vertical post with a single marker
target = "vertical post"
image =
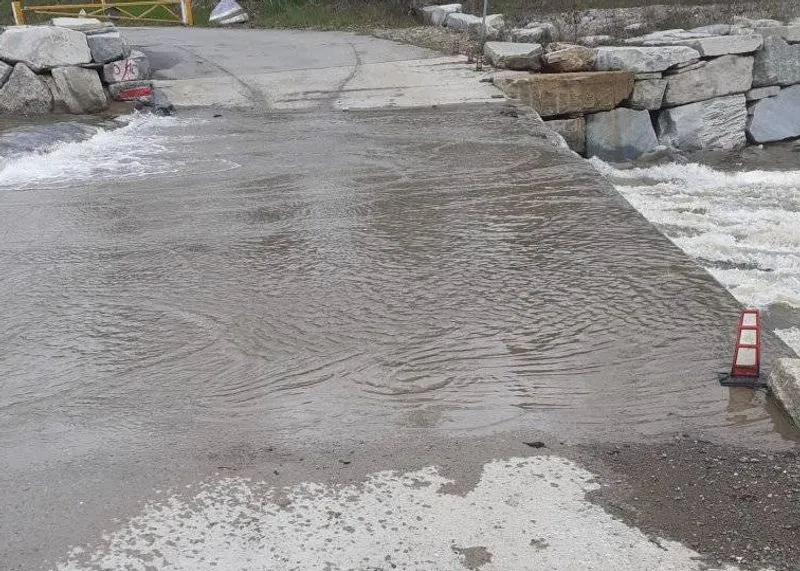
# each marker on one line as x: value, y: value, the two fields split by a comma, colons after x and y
x: 19, y: 15
x: 186, y: 13
x: 482, y: 45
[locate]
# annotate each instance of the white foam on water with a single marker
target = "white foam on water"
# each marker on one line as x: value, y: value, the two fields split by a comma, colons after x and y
x: 525, y: 513
x: 744, y: 227
x: 145, y: 145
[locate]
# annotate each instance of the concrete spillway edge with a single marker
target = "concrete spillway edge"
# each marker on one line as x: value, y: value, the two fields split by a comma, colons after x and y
x: 784, y: 383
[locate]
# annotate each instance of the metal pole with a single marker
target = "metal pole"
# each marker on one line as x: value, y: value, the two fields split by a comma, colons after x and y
x: 483, y: 25
x: 479, y: 58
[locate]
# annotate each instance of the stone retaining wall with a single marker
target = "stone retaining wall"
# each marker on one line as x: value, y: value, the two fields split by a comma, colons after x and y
x: 75, y: 65
x: 716, y: 87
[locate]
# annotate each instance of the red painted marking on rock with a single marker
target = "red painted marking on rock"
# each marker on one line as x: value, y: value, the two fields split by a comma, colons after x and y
x: 135, y: 93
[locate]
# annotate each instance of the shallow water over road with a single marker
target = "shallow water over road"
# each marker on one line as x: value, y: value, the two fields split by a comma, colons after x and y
x: 364, y: 278
x: 323, y: 277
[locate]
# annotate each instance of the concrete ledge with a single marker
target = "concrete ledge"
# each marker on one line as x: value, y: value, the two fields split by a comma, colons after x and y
x: 784, y: 382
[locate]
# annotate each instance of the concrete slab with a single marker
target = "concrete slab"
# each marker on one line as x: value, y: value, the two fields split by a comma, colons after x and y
x: 784, y: 382
x: 290, y: 70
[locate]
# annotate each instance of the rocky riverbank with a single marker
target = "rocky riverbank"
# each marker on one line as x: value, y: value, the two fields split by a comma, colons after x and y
x: 716, y: 87
x: 75, y: 65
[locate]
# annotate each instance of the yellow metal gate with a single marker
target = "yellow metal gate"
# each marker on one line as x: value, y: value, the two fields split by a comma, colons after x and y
x: 163, y: 12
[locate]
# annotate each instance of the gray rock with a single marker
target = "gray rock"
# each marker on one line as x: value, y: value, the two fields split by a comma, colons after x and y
x: 567, y: 58
x: 744, y: 22
x: 82, y: 24
x: 510, y: 55
x: 724, y: 45
x: 721, y: 76
x: 776, y: 118
x: 559, y: 94
x: 594, y: 41
x: 24, y: 93
x: 59, y: 104
x: 541, y: 35
x: 107, y: 47
x: 495, y: 24
x: 573, y: 131
x: 643, y: 59
x: 762, y: 92
x: 161, y: 103
x: 133, y: 68
x: 460, y: 22
x: 664, y: 38
x: 713, y: 124
x: 619, y: 135
x: 643, y: 76
x: 80, y: 89
x: 139, y: 91
x: 789, y: 33
x: 777, y: 63
x: 5, y: 72
x: 44, y: 47
x: 686, y: 67
x: 647, y: 94
x: 713, y: 30
x: 436, y: 15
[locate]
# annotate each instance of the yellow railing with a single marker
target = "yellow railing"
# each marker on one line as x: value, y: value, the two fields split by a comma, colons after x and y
x: 167, y: 11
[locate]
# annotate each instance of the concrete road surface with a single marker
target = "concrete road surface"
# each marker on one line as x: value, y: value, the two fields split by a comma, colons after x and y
x: 281, y: 70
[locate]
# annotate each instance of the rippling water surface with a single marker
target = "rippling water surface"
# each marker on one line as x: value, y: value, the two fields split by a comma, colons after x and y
x: 348, y: 272
x: 185, y: 295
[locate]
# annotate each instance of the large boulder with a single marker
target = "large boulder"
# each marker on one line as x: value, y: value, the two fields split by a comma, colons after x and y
x: 59, y: 103
x: 713, y: 124
x: 572, y: 130
x: 495, y: 24
x: 776, y: 118
x: 106, y: 47
x: 5, y: 72
x: 713, y: 29
x: 137, y: 91
x: 619, y: 135
x: 721, y: 76
x: 24, y: 93
x: 136, y: 67
x: 664, y: 38
x: 724, y: 45
x: 566, y: 58
x: 44, y: 47
x: 789, y: 33
x: 643, y: 59
x: 511, y: 55
x: 436, y: 15
x: 595, y: 41
x: 647, y: 94
x: 777, y: 63
x: 80, y: 89
x: 762, y: 92
x: 543, y: 34
x: 82, y: 24
x: 461, y: 22
x: 554, y: 94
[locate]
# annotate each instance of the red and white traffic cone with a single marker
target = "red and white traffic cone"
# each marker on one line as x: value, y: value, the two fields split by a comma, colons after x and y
x: 746, y: 366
